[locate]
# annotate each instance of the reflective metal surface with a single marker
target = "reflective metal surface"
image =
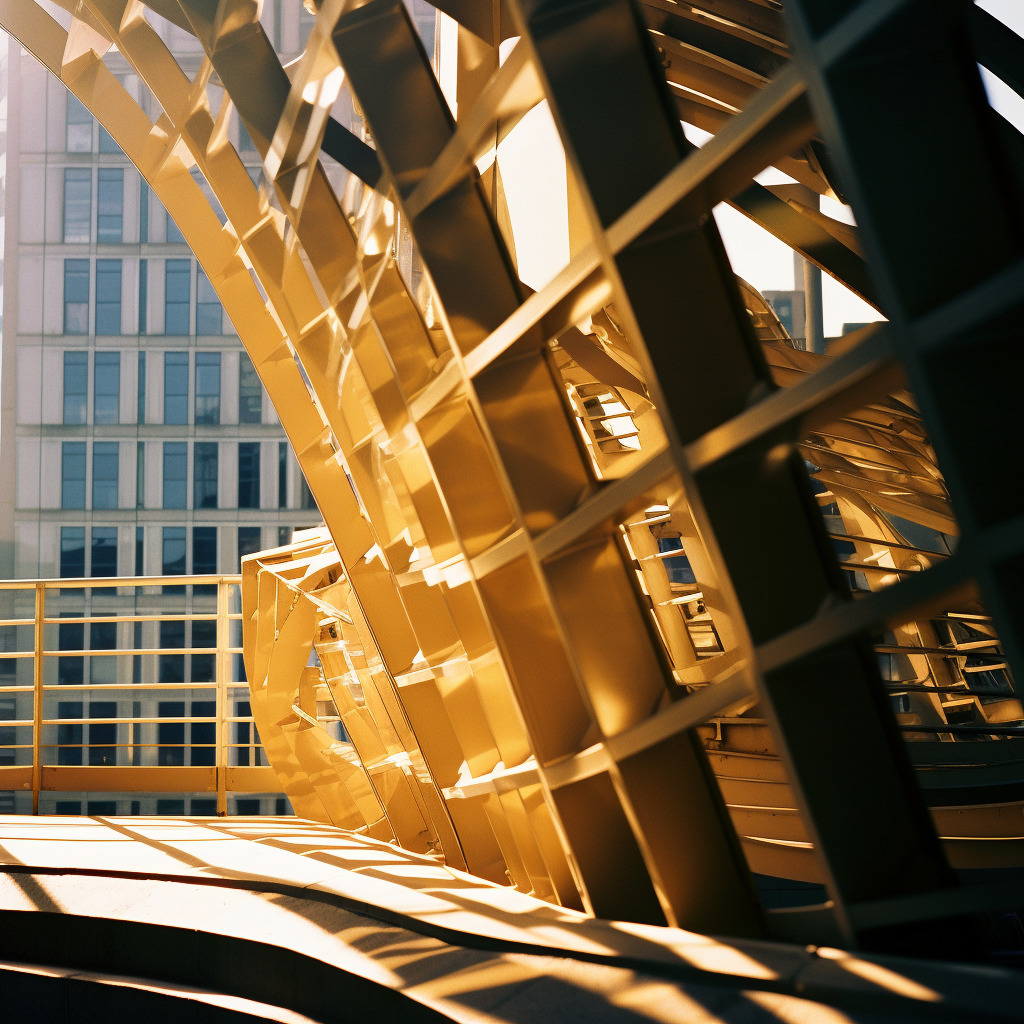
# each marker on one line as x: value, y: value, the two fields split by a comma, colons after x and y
x: 579, y: 487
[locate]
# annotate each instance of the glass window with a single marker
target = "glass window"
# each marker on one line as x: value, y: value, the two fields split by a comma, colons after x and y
x: 106, y: 388
x: 209, y: 312
x: 107, y: 143
x: 140, y: 474
x: 250, y: 391
x: 208, y: 387
x: 72, y: 551
x: 175, y: 476
x: 103, y: 669
x: 79, y: 127
x: 108, y: 296
x: 204, y: 474
x: 143, y: 296
x: 177, y: 295
x: 69, y: 737
x: 102, y: 736
x: 70, y: 637
x: 203, y: 747
x: 140, y: 555
x: 77, y: 204
x: 248, y: 540
x: 243, y: 734
x: 72, y: 474
x: 109, y: 204
x: 176, y: 388
x: 104, y: 474
x: 249, y: 474
x: 76, y: 296
x: 76, y: 382
x: 174, y: 234
x: 140, y: 402
x: 204, y: 550
x: 104, y: 552
x: 173, y: 564
x: 171, y: 735
x: 204, y: 561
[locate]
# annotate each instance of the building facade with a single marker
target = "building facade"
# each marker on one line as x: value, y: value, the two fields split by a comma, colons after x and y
x: 136, y: 440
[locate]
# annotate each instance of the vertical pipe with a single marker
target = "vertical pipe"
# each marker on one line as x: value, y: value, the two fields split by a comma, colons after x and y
x: 37, y: 695
x: 814, y: 330
x: 223, y: 662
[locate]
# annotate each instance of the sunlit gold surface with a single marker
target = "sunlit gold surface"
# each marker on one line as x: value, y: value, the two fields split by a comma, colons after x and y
x: 521, y: 608
x: 395, y: 933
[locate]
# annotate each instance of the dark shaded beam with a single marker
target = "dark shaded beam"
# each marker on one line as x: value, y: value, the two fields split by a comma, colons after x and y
x: 809, y: 239
x: 352, y: 153
x: 958, y: 230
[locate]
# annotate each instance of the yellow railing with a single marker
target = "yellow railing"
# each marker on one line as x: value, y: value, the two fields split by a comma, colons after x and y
x: 161, y: 655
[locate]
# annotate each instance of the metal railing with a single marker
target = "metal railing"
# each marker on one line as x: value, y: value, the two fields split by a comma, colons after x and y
x: 126, y: 685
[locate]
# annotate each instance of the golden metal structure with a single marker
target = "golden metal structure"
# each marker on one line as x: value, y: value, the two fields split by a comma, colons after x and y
x: 578, y: 487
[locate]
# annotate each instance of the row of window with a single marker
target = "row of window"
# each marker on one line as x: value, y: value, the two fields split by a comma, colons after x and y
x: 109, y: 204
x: 79, y: 126
x: 107, y: 298
x: 99, y: 557
x: 106, y: 389
x: 199, y: 807
x: 178, y: 743
x: 174, y: 470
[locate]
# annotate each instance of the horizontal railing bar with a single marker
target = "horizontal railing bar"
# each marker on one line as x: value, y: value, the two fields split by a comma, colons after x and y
x: 121, y: 652
x: 133, y: 687
x: 141, y: 720
x: 107, y: 582
x: 186, y: 617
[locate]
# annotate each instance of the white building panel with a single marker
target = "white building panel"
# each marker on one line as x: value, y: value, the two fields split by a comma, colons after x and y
x: 27, y: 546
x: 57, y: 106
x: 30, y: 385
x: 227, y: 489
x: 27, y: 472
x: 126, y: 475
x: 129, y: 385
x: 53, y: 304
x: 229, y: 387
x: 154, y: 386
x: 50, y: 484
x: 55, y: 205
x: 52, y: 395
x: 268, y: 474
x: 30, y: 294
x: 31, y: 206
x: 154, y: 474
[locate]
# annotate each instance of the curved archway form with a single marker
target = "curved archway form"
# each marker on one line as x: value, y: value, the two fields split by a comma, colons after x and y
x: 463, y: 468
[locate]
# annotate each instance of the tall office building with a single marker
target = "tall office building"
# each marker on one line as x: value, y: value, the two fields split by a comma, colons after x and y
x: 136, y: 437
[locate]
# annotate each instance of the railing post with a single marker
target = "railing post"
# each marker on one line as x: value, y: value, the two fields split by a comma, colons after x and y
x: 37, y: 696
x: 223, y: 666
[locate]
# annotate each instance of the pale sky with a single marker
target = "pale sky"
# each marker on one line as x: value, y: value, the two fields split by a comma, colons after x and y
x: 768, y: 264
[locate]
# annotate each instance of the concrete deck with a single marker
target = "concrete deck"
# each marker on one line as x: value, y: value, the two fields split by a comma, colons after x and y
x: 283, y: 919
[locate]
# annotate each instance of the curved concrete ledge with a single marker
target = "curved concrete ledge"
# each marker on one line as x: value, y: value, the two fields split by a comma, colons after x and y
x: 328, y: 924
x: 52, y: 995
